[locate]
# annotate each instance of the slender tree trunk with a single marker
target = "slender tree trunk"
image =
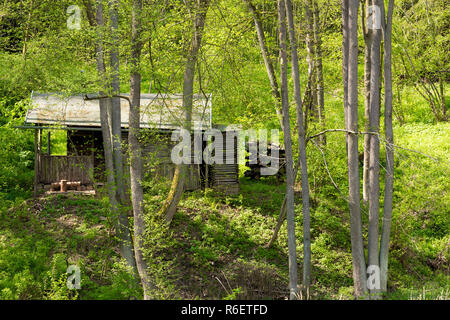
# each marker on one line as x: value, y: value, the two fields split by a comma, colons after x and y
x: 290, y: 214
x: 280, y: 221
x: 374, y: 166
x: 367, y: 65
x: 442, y: 96
x: 389, y: 135
x: 122, y: 230
x: 311, y: 87
x: 37, y: 159
x: 319, y: 70
x: 176, y: 190
x: 302, y: 153
x: 267, y: 62
x: 137, y: 192
x: 345, y: 53
x: 282, y: 215
x: 359, y: 266
x: 116, y: 110
x: 27, y: 31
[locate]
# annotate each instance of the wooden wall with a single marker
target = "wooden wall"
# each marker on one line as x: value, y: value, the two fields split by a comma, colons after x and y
x: 71, y: 168
x: 225, y: 177
x: 156, y: 155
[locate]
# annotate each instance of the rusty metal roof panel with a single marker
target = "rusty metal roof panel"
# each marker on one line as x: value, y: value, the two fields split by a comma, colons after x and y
x: 157, y: 111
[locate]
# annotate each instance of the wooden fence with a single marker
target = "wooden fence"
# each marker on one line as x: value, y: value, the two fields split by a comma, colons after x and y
x: 70, y: 168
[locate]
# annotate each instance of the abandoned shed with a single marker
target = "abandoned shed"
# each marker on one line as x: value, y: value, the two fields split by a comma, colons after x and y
x: 83, y: 162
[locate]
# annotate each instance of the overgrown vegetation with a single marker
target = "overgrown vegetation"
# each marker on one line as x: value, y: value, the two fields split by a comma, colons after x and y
x: 215, y: 247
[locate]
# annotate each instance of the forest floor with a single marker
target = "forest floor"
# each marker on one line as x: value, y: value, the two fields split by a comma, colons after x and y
x: 216, y: 248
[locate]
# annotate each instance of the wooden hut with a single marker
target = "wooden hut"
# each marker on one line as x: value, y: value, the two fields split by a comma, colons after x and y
x: 84, y: 162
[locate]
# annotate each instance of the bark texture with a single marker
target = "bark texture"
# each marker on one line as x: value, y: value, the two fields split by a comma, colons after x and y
x: 389, y: 136
x: 359, y: 266
x: 267, y: 61
x: 374, y: 160
x: 117, y: 211
x: 306, y: 281
x: 290, y: 214
x: 137, y: 192
x: 176, y: 190
x: 367, y: 65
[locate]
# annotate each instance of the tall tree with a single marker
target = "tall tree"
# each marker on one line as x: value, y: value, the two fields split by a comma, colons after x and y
x: 311, y: 85
x: 267, y: 61
x: 116, y: 123
x: 120, y: 217
x: 176, y: 190
x: 350, y: 53
x: 290, y: 213
x: 136, y: 165
x: 389, y: 136
x: 302, y: 152
x: 367, y: 33
x: 319, y: 68
x: 374, y: 126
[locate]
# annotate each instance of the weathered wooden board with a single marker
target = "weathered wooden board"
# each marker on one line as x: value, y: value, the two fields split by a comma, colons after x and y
x: 71, y: 168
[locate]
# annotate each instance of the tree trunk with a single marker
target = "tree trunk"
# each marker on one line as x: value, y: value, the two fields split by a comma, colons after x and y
x: 137, y: 192
x: 319, y: 70
x: 121, y: 220
x: 302, y: 153
x: 374, y: 160
x: 267, y: 62
x: 311, y: 87
x: 389, y: 135
x: 116, y: 125
x: 359, y: 266
x: 367, y: 65
x: 176, y: 190
x: 27, y: 31
x: 290, y: 214
x: 345, y: 52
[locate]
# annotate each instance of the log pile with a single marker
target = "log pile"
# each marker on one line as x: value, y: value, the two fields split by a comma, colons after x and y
x: 264, y: 161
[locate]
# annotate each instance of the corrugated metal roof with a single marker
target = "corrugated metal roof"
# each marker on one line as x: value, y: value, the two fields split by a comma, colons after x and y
x: 157, y: 111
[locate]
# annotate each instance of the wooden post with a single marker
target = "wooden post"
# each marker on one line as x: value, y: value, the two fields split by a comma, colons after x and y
x: 37, y: 158
x: 36, y: 162
x: 48, y: 143
x: 63, y: 185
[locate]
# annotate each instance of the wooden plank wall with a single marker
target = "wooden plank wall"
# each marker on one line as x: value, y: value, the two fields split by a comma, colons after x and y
x: 225, y: 177
x: 157, y: 149
x: 160, y: 153
x: 71, y: 168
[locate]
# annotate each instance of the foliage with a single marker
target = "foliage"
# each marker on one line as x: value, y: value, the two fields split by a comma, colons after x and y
x: 215, y: 246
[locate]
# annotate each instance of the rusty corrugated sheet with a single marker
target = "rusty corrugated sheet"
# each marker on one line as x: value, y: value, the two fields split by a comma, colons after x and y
x: 157, y: 111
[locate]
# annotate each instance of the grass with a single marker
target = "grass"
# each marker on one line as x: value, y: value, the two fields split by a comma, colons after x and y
x: 215, y: 247
x: 40, y: 239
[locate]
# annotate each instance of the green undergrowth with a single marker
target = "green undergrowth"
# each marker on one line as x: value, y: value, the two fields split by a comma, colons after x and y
x: 215, y: 247
x: 40, y: 239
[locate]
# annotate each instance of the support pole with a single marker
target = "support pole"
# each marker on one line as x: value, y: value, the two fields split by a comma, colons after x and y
x: 36, y: 161
x: 48, y: 143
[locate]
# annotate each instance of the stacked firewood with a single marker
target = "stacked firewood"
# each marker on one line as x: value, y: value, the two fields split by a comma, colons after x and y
x: 264, y: 160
